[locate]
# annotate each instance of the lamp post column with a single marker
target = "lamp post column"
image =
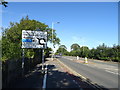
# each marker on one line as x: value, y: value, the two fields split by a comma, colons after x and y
x: 52, y: 39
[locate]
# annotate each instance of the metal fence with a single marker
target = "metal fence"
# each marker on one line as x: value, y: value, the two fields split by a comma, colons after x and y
x: 12, y: 70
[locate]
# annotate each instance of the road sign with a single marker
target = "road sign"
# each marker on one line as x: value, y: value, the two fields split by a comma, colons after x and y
x: 34, y: 39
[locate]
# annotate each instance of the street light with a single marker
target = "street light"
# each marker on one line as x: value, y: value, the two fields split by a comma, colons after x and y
x: 52, y: 34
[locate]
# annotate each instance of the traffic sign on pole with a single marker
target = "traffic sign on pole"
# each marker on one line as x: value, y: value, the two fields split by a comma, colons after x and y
x: 34, y: 39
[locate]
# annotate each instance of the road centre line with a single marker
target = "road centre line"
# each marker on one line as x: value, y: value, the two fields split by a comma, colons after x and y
x: 111, y: 68
x: 111, y: 72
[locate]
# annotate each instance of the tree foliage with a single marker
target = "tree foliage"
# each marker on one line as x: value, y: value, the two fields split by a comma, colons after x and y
x: 11, y: 38
x: 4, y: 3
x: 84, y: 51
x: 63, y: 46
x: 62, y: 50
x: 75, y: 47
x: 101, y: 52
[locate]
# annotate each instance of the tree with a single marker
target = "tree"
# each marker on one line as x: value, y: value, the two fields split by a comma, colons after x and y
x: 63, y: 46
x: 101, y: 52
x: 47, y: 52
x: 84, y: 51
x: 4, y: 3
x: 75, y: 47
x: 62, y: 49
x: 116, y: 53
x: 11, y: 38
x: 91, y: 53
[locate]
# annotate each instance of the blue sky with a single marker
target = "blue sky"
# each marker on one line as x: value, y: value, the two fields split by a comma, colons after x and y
x: 86, y: 23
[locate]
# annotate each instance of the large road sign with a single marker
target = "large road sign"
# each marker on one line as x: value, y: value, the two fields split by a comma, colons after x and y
x: 34, y: 39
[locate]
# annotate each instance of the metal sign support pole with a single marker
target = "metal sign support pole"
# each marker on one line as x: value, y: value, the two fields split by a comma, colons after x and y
x: 23, y: 62
x: 42, y: 59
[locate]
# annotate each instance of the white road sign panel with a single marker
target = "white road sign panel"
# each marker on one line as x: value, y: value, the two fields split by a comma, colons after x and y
x: 34, y: 39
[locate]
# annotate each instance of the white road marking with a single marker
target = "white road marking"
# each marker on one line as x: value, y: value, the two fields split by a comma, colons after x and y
x: 111, y: 72
x: 111, y: 68
x: 45, y: 78
x: 44, y: 81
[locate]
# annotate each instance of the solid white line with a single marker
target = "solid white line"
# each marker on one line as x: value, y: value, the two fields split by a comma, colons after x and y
x: 45, y: 78
x: 44, y: 81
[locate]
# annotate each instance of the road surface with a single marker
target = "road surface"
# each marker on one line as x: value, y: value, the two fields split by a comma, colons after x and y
x: 102, y: 73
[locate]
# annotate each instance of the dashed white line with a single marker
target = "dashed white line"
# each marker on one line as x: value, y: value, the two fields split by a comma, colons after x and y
x: 111, y: 72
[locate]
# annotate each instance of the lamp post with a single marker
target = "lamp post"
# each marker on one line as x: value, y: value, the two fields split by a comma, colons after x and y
x: 52, y: 34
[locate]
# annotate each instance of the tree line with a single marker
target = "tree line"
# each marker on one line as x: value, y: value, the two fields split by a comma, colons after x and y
x: 101, y: 52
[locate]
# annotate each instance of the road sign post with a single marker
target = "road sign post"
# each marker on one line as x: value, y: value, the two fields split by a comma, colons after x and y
x: 34, y: 39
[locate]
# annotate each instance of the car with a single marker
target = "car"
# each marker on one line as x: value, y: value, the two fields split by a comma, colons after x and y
x: 57, y: 56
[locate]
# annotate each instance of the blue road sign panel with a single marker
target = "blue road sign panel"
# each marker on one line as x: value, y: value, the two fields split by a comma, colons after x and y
x: 26, y: 40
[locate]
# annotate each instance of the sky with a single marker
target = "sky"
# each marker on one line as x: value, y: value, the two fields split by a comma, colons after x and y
x: 85, y: 23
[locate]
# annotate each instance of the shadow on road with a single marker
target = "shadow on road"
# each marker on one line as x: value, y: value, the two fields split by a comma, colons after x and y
x: 58, y: 79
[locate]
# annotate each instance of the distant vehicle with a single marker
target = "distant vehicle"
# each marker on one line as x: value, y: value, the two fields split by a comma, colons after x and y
x: 57, y: 56
x: 60, y: 54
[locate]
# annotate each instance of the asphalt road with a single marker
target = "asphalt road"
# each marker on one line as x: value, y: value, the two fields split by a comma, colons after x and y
x: 99, y: 76
x: 111, y: 67
x: 95, y: 61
